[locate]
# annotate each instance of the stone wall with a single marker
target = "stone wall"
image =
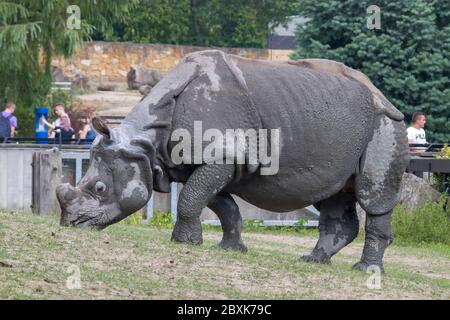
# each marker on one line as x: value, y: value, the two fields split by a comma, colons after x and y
x: 110, y: 61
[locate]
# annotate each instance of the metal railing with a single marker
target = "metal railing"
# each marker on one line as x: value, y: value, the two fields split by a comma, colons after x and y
x: 425, y: 149
x: 61, y: 86
x: 60, y: 140
x: 54, y: 141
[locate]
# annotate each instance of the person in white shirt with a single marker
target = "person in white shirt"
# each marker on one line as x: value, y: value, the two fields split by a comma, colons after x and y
x: 416, y: 133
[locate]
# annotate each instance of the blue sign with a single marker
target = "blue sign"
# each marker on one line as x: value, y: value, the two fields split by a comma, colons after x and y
x: 40, y: 127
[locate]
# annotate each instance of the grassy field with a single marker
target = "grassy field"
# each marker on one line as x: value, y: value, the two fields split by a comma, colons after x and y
x: 40, y: 260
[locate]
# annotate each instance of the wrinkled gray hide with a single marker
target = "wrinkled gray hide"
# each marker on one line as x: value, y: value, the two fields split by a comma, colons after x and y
x: 341, y: 142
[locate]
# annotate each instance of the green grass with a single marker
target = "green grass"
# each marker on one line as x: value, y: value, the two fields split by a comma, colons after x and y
x: 128, y: 261
x: 429, y: 223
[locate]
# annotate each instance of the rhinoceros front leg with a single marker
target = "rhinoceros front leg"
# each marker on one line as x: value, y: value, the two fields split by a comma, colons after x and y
x: 201, y: 187
x: 230, y: 218
x: 338, y: 226
x: 378, y: 238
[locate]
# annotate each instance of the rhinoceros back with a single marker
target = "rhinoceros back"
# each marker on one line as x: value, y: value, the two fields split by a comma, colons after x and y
x: 325, y: 124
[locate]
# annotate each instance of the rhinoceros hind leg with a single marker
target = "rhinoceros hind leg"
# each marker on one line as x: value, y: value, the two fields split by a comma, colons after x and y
x: 377, y: 187
x: 201, y: 187
x: 378, y: 238
x: 230, y: 218
x: 338, y: 226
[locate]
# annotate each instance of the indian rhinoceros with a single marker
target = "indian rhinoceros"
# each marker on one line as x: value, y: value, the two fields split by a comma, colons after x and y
x: 340, y: 142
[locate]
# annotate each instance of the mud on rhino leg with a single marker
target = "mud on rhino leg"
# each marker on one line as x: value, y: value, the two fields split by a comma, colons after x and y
x: 377, y: 187
x: 338, y: 226
x: 230, y: 218
x: 378, y: 238
x: 201, y: 187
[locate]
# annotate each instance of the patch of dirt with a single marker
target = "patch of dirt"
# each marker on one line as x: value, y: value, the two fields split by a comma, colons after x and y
x: 282, y: 239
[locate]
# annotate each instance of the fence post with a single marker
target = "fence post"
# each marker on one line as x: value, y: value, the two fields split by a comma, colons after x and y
x: 174, y: 200
x: 47, y: 172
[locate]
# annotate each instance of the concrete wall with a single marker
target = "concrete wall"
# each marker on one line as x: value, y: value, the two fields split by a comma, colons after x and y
x: 110, y: 61
x: 250, y: 212
x: 15, y: 178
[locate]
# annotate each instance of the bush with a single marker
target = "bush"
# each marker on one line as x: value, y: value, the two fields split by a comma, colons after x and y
x: 161, y: 220
x: 133, y: 219
x: 429, y: 223
x: 25, y: 122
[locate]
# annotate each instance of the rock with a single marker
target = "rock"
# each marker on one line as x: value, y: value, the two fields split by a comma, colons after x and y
x: 81, y: 81
x: 415, y: 191
x: 57, y: 75
x: 106, y: 87
x: 5, y: 265
x: 131, y: 76
x: 139, y: 76
x: 145, y: 89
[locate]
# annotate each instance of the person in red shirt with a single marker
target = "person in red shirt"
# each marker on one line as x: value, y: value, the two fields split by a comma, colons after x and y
x: 62, y: 123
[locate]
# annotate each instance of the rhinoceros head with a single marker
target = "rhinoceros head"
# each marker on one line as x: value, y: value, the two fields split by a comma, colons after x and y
x: 117, y: 183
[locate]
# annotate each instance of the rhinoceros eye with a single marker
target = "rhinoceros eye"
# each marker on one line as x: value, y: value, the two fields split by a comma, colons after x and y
x: 100, y: 187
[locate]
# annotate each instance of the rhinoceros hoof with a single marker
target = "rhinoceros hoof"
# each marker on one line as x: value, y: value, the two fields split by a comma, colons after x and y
x: 187, y: 238
x: 364, y: 266
x: 187, y: 235
x: 187, y: 232
x: 232, y: 245
x: 316, y: 259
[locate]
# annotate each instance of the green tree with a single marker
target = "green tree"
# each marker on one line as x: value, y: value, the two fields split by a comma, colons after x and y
x: 220, y: 23
x: 155, y: 21
x: 31, y: 32
x: 408, y: 58
x: 240, y: 23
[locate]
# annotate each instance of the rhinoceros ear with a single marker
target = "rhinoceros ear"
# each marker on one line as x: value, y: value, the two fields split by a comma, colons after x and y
x: 101, y: 127
x: 161, y: 182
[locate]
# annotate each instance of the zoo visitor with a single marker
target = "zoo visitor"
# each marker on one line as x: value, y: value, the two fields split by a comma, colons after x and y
x: 62, y: 123
x: 86, y: 134
x: 8, y: 122
x: 416, y: 133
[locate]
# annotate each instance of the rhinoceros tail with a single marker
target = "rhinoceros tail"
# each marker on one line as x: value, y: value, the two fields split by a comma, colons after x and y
x: 381, y: 104
x: 385, y: 107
